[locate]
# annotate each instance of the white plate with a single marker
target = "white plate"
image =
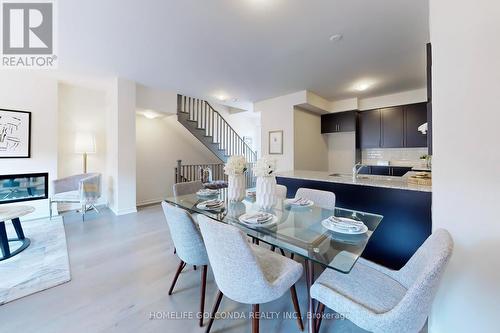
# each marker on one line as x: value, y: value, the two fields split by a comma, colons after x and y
x: 203, y: 206
x: 272, y: 221
x: 328, y: 225
x: 290, y: 202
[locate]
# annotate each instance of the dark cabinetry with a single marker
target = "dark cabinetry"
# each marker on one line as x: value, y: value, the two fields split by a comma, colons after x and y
x: 369, y: 129
x: 380, y: 170
x: 339, y: 122
x: 394, y: 127
x: 415, y: 115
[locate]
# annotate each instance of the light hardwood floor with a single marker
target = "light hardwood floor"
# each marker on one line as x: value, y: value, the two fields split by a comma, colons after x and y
x: 121, y: 270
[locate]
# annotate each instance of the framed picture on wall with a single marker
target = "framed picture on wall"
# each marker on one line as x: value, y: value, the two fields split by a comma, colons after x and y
x: 276, y: 142
x: 15, y: 134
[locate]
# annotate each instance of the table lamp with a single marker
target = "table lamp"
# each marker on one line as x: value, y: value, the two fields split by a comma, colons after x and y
x: 85, y: 144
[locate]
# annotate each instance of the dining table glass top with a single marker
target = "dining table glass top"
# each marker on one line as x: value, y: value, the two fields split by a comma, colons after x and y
x: 297, y: 229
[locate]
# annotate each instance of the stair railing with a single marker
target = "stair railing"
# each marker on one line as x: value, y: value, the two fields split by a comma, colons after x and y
x: 215, y: 126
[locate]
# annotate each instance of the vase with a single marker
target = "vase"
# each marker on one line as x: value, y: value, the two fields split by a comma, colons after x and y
x: 266, y: 192
x: 236, y: 209
x: 236, y: 188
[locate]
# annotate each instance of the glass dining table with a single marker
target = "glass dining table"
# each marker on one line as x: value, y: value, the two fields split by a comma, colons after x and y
x: 298, y: 230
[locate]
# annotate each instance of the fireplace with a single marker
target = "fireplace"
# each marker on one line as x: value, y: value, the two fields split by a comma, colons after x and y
x: 24, y: 187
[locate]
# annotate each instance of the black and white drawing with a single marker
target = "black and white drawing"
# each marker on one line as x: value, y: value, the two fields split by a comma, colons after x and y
x: 15, y: 128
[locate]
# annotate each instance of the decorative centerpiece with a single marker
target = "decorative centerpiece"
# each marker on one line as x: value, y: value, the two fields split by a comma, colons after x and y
x: 235, y: 170
x: 266, y: 183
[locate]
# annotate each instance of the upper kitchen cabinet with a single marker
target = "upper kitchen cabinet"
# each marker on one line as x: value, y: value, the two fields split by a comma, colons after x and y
x: 369, y: 129
x: 415, y: 115
x: 392, y: 127
x: 339, y: 122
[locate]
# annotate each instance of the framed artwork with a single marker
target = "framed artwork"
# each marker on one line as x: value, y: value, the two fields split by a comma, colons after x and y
x: 276, y: 142
x: 15, y: 134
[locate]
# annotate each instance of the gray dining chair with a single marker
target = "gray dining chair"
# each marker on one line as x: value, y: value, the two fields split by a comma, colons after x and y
x: 281, y: 191
x: 247, y: 273
x: 322, y: 199
x: 378, y: 299
x: 189, y: 244
x: 187, y: 187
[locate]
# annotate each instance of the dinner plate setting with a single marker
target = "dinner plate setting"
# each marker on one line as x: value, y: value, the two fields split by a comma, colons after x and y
x: 344, y: 225
x: 299, y: 202
x: 258, y: 219
x: 214, y: 204
x: 207, y: 192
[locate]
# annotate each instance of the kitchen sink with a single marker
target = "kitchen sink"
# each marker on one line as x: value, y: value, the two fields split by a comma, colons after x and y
x: 345, y: 175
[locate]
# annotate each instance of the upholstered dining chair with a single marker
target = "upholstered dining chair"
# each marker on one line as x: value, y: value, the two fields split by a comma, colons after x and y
x: 83, y: 189
x: 247, y: 273
x: 187, y: 187
x: 281, y: 191
x: 378, y: 299
x: 189, y: 244
x: 323, y: 199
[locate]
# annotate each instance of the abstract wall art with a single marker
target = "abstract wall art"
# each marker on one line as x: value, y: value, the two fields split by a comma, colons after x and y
x: 15, y: 134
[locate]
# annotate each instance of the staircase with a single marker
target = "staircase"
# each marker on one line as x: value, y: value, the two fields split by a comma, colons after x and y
x: 208, y: 126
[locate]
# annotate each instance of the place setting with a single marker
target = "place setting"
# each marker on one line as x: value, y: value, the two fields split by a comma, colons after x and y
x: 299, y: 202
x: 207, y: 192
x: 258, y: 219
x: 215, y: 205
x: 346, y: 230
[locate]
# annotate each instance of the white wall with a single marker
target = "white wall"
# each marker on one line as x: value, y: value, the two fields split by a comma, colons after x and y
x: 310, y: 146
x: 82, y: 110
x: 160, y: 143
x: 121, y: 146
x: 277, y: 114
x: 30, y: 92
x: 341, y: 151
x: 466, y: 181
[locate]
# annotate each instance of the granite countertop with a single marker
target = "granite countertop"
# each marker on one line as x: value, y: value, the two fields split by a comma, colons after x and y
x: 364, y: 180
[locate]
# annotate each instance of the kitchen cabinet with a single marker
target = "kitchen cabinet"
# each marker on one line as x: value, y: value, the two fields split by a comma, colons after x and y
x: 415, y: 115
x: 392, y: 120
x: 381, y: 170
x: 369, y: 128
x: 339, y: 122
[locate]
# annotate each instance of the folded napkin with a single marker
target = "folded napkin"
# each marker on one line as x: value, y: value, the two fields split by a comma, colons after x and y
x: 346, y: 224
x: 212, y: 203
x: 301, y: 202
x: 257, y: 217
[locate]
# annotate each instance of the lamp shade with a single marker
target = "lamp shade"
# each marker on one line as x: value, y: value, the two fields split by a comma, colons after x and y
x: 84, y: 143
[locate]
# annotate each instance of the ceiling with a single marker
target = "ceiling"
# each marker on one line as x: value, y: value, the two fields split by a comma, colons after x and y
x: 248, y: 49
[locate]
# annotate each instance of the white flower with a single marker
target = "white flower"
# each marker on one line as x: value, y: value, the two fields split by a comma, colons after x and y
x: 236, y: 165
x: 264, y: 167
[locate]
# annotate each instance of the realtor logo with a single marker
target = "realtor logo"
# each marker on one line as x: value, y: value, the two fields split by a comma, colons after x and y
x: 28, y: 34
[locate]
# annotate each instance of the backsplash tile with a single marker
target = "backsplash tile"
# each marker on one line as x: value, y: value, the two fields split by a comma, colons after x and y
x: 396, y: 156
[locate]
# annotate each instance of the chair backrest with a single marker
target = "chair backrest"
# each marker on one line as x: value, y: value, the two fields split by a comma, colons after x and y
x: 281, y: 191
x: 187, y: 187
x: 323, y: 199
x: 90, y: 186
x: 235, y: 267
x: 421, y: 275
x: 185, y: 235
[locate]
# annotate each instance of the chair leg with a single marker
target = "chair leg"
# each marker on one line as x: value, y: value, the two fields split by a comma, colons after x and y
x: 50, y: 209
x: 319, y: 315
x: 84, y: 208
x: 203, y: 288
x: 194, y: 267
x: 179, y: 270
x: 255, y: 318
x: 273, y: 248
x: 175, y: 250
x: 282, y: 253
x: 214, y: 311
x: 292, y: 255
x: 296, y: 306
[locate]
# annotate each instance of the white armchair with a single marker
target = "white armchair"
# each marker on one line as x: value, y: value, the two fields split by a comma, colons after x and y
x: 84, y: 189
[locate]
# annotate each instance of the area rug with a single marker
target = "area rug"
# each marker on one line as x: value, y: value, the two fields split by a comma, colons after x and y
x: 44, y: 264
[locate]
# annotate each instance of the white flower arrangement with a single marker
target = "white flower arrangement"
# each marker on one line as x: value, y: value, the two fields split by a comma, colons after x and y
x: 236, y: 165
x: 264, y: 167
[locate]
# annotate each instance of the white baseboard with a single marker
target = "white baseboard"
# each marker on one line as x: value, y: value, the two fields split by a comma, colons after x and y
x: 124, y: 211
x: 150, y: 202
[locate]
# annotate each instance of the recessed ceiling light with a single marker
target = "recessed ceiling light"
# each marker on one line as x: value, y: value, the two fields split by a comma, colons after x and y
x: 363, y: 85
x: 335, y: 38
x: 221, y: 97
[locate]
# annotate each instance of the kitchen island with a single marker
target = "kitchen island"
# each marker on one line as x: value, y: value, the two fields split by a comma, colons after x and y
x: 406, y: 209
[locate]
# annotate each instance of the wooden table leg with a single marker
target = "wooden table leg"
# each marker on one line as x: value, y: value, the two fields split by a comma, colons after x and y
x: 310, y: 305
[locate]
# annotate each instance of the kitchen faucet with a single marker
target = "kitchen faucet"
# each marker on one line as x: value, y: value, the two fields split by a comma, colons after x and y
x: 356, y: 169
